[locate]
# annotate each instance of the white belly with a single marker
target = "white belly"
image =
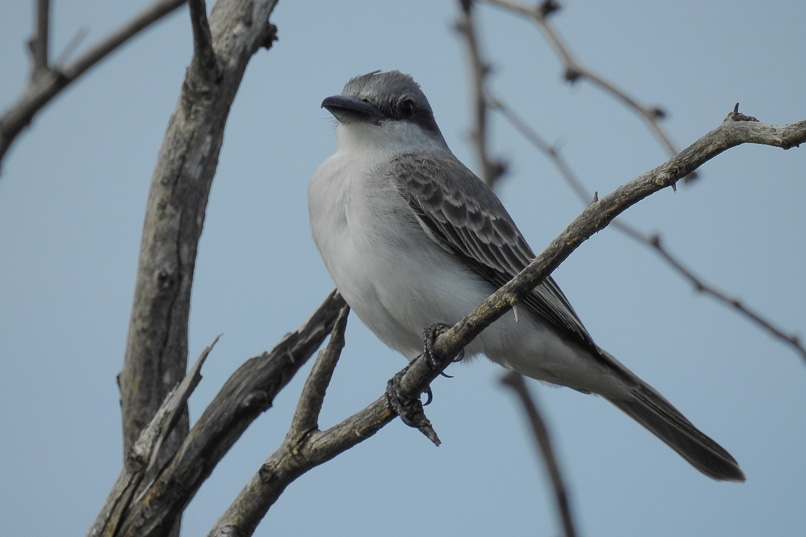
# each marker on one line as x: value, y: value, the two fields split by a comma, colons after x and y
x: 398, y: 281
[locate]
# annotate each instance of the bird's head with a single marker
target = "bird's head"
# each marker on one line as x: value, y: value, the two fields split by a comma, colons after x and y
x: 384, y: 109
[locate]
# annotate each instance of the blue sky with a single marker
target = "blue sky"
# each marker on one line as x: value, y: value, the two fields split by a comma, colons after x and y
x: 72, y: 198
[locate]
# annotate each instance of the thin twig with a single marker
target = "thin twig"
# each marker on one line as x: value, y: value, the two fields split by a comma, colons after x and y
x: 575, y: 70
x: 551, y: 151
x: 40, y: 41
x: 542, y: 438
x: 71, y: 46
x: 306, y: 417
x: 652, y: 241
x: 791, y: 339
x: 35, y: 96
x: 491, y: 169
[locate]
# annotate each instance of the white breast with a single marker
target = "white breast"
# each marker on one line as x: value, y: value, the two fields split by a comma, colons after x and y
x: 398, y: 281
x: 382, y: 262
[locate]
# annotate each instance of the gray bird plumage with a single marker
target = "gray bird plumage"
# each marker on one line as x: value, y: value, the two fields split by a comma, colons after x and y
x: 412, y: 237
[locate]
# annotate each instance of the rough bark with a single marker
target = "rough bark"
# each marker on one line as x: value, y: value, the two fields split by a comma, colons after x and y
x: 164, y: 491
x: 156, y: 348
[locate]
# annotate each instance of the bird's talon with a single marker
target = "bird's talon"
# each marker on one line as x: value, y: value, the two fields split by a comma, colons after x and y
x: 429, y: 396
x: 410, y: 409
x: 459, y: 357
x: 430, y: 335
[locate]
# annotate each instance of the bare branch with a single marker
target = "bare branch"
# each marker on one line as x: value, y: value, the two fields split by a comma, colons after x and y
x: 651, y: 241
x: 71, y: 46
x: 203, y: 53
x: 791, y: 339
x: 246, y: 511
x: 156, y: 347
x: 574, y: 70
x: 514, y: 381
x: 140, y: 463
x: 304, y: 449
x: 245, y: 395
x: 600, y: 213
x: 543, y: 146
x: 491, y: 169
x: 306, y: 417
x: 307, y: 451
x: 46, y: 81
x: 40, y: 41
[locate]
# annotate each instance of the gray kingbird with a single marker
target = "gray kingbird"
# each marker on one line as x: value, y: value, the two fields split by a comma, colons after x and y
x: 412, y: 238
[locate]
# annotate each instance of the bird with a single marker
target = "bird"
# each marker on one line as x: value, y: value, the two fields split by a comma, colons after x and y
x: 413, y: 238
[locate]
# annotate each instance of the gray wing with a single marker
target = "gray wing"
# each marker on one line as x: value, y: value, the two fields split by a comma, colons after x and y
x: 466, y: 218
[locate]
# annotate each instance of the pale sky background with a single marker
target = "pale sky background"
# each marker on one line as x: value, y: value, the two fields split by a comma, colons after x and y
x: 72, y: 198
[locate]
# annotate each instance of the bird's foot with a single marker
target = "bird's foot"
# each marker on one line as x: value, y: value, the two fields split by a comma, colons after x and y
x: 430, y: 335
x: 409, y: 408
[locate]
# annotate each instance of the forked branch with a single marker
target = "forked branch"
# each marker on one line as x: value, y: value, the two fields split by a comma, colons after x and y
x: 307, y: 447
x: 48, y: 80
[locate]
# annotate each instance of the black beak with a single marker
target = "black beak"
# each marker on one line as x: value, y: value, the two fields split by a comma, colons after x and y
x: 352, y: 110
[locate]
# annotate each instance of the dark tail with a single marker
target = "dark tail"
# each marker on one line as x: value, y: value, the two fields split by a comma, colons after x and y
x: 651, y: 410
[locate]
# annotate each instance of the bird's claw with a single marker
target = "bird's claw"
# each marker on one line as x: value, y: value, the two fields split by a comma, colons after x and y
x: 430, y: 335
x: 409, y: 408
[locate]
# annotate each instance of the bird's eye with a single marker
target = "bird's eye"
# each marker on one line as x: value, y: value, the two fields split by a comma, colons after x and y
x: 406, y: 108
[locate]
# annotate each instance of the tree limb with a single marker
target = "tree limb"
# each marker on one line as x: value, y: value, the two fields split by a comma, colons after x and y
x: 540, y: 13
x: 316, y: 447
x: 203, y: 53
x: 48, y: 81
x: 651, y: 241
x: 600, y: 213
x: 309, y: 405
x: 40, y: 42
x: 156, y: 347
x: 245, y: 513
x: 540, y: 431
x: 246, y: 394
x: 491, y: 169
x: 141, y: 462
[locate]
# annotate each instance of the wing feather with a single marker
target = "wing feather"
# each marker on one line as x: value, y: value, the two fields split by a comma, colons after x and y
x: 466, y: 218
